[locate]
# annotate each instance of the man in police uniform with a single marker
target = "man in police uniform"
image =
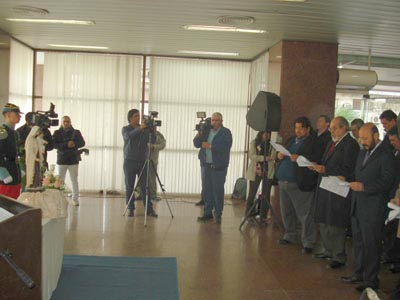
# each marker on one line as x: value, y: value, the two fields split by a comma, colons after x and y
x: 11, y: 185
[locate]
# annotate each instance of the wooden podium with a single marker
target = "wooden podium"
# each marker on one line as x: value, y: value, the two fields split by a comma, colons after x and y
x: 21, y: 236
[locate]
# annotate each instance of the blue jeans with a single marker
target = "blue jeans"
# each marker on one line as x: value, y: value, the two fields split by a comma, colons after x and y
x: 132, y: 168
x: 214, y: 191
x: 203, y: 183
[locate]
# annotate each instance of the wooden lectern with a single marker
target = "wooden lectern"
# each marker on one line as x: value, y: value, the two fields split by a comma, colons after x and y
x: 20, y: 240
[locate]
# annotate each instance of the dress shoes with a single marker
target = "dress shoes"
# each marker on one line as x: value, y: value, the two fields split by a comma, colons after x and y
x: 218, y: 219
x: 131, y: 213
x: 152, y: 213
x: 284, y: 242
x: 351, y: 279
x: 307, y: 250
x: 322, y: 256
x: 334, y: 264
x: 200, y: 203
x: 205, y: 218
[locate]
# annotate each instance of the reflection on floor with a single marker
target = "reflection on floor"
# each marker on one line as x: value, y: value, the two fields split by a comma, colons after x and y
x: 214, y: 261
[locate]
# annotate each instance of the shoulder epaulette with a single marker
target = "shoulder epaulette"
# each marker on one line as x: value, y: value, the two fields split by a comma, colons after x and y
x: 3, y: 132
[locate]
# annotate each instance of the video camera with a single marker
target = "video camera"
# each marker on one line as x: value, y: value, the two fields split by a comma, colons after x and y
x: 204, y: 125
x: 43, y: 119
x: 150, y: 121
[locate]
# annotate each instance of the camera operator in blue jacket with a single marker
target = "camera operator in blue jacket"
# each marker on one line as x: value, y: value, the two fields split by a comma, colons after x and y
x: 214, y: 155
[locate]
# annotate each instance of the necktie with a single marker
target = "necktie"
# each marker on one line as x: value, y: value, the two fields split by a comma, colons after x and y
x: 331, y: 148
x: 367, y: 155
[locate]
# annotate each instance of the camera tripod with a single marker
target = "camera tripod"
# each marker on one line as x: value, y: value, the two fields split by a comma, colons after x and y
x: 263, y: 198
x: 146, y: 168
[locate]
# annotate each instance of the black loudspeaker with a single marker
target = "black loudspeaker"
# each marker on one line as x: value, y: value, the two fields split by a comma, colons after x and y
x: 265, y: 112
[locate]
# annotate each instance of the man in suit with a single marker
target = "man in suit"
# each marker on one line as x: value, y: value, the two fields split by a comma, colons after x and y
x: 323, y: 133
x: 388, y: 120
x: 297, y: 186
x: 374, y: 177
x: 215, y: 154
x: 333, y: 211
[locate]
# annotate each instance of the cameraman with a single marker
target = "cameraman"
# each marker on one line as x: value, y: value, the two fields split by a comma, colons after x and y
x: 67, y: 141
x: 136, y: 137
x: 157, y: 144
x: 23, y: 132
x: 214, y: 155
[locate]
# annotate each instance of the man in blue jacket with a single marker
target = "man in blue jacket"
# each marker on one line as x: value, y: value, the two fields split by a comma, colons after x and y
x: 136, y: 137
x: 214, y: 155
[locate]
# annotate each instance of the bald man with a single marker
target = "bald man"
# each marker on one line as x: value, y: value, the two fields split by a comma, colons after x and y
x: 374, y: 177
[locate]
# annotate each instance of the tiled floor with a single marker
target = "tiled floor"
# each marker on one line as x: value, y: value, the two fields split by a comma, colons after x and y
x: 214, y: 261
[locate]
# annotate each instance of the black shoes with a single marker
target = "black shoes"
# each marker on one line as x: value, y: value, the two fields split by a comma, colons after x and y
x: 334, y: 264
x: 200, y: 203
x: 131, y: 212
x: 322, y: 256
x: 351, y: 279
x: 152, y: 213
x: 205, y: 218
x: 284, y: 242
x: 307, y: 250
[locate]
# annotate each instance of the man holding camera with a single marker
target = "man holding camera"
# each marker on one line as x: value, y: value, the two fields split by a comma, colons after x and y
x: 23, y: 132
x: 67, y: 141
x: 10, y: 184
x: 214, y: 155
x: 136, y: 137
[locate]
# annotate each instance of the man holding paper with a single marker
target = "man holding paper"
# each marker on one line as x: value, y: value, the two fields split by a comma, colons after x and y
x: 333, y: 211
x: 374, y: 178
x: 297, y: 185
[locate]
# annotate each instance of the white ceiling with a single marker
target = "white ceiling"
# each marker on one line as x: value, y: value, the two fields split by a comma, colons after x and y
x: 154, y: 27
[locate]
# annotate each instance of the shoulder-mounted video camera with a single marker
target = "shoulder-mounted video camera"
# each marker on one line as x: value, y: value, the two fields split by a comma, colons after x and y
x: 43, y: 119
x: 149, y: 120
x: 204, y: 125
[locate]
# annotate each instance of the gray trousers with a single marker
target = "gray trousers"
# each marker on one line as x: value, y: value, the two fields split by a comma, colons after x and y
x: 333, y: 242
x: 296, y: 206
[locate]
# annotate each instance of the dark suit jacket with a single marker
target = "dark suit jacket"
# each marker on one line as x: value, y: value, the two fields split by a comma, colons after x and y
x: 332, y: 209
x: 378, y: 176
x: 322, y: 141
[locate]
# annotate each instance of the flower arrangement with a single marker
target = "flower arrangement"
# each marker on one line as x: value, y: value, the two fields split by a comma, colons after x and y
x: 51, y: 181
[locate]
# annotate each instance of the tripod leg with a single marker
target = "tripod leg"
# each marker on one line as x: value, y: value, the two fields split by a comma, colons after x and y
x: 248, y: 215
x: 162, y: 188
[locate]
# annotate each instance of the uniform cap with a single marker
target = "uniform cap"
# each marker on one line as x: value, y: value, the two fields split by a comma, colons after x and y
x: 9, y: 107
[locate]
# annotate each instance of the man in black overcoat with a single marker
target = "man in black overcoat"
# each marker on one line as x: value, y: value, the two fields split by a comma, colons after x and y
x: 332, y: 210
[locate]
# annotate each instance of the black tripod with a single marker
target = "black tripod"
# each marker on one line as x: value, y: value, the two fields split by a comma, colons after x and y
x: 146, y: 168
x: 263, y: 199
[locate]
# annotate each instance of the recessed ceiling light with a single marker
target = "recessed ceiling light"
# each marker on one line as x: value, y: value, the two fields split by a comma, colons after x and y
x: 77, y: 46
x: 49, y: 21
x: 208, y: 53
x: 222, y: 28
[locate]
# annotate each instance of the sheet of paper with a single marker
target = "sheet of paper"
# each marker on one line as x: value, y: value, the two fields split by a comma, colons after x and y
x: 394, y: 213
x: 304, y: 162
x: 280, y: 148
x: 335, y: 185
x: 5, y: 214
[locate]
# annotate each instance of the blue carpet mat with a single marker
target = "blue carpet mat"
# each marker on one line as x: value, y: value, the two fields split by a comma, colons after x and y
x: 106, y: 277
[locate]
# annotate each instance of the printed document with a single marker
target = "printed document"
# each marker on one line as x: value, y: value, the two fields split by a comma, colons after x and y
x: 335, y: 185
x: 280, y: 148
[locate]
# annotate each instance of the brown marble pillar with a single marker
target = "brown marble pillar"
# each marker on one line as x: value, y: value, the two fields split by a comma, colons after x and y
x: 307, y: 81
